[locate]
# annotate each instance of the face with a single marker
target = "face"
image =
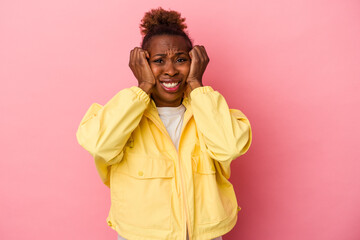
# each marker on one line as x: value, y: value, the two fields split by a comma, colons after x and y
x: 170, y: 64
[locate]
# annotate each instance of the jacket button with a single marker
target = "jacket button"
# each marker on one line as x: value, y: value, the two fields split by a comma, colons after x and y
x: 141, y: 173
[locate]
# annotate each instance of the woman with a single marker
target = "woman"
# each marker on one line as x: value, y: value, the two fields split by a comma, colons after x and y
x: 165, y: 147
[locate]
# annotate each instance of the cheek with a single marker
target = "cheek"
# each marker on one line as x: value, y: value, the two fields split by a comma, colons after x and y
x: 155, y: 70
x: 185, y: 69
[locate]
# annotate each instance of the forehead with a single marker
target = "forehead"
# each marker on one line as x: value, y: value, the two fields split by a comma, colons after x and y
x: 167, y: 44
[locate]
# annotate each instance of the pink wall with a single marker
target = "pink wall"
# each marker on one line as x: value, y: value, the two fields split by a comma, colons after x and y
x: 291, y: 66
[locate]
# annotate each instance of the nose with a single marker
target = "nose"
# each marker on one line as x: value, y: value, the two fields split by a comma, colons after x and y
x: 170, y: 69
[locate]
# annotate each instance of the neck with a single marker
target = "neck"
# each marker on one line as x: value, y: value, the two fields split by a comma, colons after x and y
x: 160, y: 103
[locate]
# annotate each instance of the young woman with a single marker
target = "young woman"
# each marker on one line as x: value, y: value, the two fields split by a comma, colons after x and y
x: 165, y: 146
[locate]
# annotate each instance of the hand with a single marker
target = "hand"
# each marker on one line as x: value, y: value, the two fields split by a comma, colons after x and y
x: 199, y: 61
x: 141, y: 69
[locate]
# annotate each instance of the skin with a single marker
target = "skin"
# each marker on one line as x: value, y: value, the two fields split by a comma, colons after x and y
x: 168, y: 59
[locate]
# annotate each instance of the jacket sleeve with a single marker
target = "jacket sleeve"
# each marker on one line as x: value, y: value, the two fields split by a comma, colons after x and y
x: 104, y: 130
x: 226, y: 133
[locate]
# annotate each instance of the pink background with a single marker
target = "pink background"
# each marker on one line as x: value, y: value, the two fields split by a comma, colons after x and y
x: 293, y: 67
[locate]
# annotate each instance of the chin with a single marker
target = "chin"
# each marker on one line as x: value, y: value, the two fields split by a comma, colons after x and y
x: 163, y: 99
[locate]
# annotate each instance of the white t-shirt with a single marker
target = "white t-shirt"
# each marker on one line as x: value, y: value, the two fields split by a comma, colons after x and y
x: 173, y: 117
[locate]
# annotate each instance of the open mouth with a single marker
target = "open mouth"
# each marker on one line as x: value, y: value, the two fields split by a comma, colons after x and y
x: 170, y: 86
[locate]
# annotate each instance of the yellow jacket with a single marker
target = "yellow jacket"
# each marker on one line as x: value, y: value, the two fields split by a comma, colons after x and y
x: 156, y: 191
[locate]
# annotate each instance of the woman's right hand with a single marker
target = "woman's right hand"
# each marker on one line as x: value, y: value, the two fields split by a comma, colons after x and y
x: 141, y: 69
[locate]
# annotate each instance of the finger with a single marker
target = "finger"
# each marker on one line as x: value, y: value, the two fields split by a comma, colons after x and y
x: 135, y: 51
x: 131, y: 59
x: 191, y: 54
x: 194, y: 54
x: 203, y: 54
x: 144, y: 58
x: 203, y: 51
x: 147, y: 54
x: 200, y: 54
x: 193, y: 63
x: 138, y: 57
x: 142, y: 55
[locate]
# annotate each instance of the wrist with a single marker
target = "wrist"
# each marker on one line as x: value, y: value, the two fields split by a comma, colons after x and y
x: 194, y: 84
x: 146, y: 86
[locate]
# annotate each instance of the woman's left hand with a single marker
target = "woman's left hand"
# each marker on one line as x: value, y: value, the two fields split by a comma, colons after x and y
x: 199, y: 61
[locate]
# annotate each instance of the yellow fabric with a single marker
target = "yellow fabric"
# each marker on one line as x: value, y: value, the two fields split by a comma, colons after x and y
x: 155, y: 189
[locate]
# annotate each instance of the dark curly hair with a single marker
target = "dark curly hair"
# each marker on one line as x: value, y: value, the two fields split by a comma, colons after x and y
x: 161, y: 22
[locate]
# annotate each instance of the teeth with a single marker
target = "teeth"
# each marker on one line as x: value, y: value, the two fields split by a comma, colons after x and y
x: 170, y: 85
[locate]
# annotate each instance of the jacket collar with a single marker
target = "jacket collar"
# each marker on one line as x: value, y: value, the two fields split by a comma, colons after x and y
x: 152, y: 113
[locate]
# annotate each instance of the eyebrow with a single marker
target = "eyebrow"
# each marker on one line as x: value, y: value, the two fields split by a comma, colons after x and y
x: 164, y: 55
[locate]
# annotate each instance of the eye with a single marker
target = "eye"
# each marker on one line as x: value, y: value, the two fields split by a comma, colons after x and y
x: 181, y: 60
x: 158, y: 60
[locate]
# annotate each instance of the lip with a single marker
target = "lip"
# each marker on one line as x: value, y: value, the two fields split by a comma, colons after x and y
x: 170, y: 80
x: 170, y: 89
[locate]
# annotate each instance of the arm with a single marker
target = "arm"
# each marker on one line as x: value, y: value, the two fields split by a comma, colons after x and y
x: 226, y: 133
x: 104, y: 130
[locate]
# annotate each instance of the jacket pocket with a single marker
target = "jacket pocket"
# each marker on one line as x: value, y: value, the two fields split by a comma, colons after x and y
x: 208, y: 201
x: 141, y: 190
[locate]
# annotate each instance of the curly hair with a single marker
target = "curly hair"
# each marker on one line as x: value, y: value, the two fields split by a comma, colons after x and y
x: 161, y: 22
